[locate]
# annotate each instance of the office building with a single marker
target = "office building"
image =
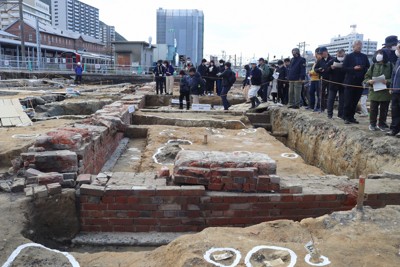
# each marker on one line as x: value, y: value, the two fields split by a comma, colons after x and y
x: 183, y: 29
x: 32, y: 9
x: 346, y: 43
x: 73, y: 15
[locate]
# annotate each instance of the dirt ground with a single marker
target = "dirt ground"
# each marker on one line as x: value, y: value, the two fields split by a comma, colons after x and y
x: 347, y: 238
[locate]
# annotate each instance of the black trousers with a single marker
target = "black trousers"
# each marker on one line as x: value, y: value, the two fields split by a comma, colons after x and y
x: 185, y: 95
x: 323, y: 95
x: 78, y: 79
x: 210, y: 84
x: 351, y: 97
x: 395, y: 126
x: 283, y: 92
x: 334, y: 89
x: 160, y: 85
x: 378, y: 106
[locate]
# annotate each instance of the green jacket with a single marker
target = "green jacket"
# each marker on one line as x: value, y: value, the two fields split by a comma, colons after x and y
x: 377, y: 69
x: 265, y: 72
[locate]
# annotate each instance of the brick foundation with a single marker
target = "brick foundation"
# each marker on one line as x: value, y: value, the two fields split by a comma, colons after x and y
x: 192, y: 208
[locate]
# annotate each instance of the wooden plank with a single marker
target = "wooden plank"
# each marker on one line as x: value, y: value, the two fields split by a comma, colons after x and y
x: 6, y: 122
x: 17, y: 105
x: 7, y: 102
x: 15, y: 121
x: 8, y: 112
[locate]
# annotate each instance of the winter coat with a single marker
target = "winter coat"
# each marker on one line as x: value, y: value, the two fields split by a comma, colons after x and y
x: 184, y: 85
x: 246, y: 80
x: 336, y: 74
x: 396, y: 78
x: 256, y: 76
x: 265, y: 72
x: 391, y: 55
x: 225, y: 78
x: 202, y: 69
x: 322, y: 67
x: 282, y: 73
x: 196, y: 84
x: 377, y: 69
x: 169, y: 71
x: 297, y: 69
x: 314, y: 76
x: 212, y: 71
x: 159, y: 71
x: 78, y: 70
x: 355, y: 77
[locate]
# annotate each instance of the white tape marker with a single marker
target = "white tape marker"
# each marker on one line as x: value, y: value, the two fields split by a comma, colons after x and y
x: 207, y: 256
x: 325, y: 261
x: 16, y: 252
x: 293, y: 256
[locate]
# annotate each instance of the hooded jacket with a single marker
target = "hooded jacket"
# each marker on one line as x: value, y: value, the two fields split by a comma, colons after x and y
x: 225, y: 77
x: 396, y: 78
x: 297, y: 69
x: 256, y: 76
x: 322, y: 67
x: 196, y: 84
x: 184, y: 84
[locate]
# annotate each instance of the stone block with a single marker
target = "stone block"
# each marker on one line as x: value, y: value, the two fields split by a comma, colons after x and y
x: 18, y: 185
x: 70, y: 176
x: 84, y: 179
x: 164, y: 172
x: 92, y: 190
x: 49, y: 178
x: 54, y: 189
x: 28, y: 191
x: 40, y: 191
x: 62, y: 161
x: 32, y: 173
x: 68, y: 184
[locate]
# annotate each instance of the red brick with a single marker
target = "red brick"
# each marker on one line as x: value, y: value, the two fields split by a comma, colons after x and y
x: 238, y: 220
x: 122, y: 191
x: 106, y: 228
x: 145, y: 192
x: 286, y: 205
x: 333, y: 204
x: 92, y: 190
x: 326, y: 197
x: 108, y: 199
x: 169, y: 191
x: 90, y: 228
x: 240, y: 206
x: 145, y: 207
x: 192, y: 190
x: 90, y: 206
x: 190, y: 221
x: 97, y: 221
x: 119, y: 206
x: 194, y: 213
x: 121, y: 221
x: 133, y: 200
x: 145, y: 221
x: 176, y: 228
x: 307, y: 205
x: 121, y: 200
x: 216, y: 199
x: 218, y: 221
x: 124, y: 228
x: 170, y: 207
x: 169, y: 221
x: 215, y: 187
x: 249, y: 187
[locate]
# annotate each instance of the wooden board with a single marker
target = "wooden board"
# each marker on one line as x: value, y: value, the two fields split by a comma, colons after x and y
x: 12, y: 114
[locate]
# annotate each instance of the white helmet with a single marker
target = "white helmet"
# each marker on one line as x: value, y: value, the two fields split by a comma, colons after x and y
x: 79, y: 63
x: 253, y: 61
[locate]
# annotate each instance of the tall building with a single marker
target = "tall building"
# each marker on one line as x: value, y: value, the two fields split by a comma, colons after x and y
x: 32, y: 9
x: 183, y: 28
x: 76, y: 16
x: 107, y: 36
x: 346, y: 43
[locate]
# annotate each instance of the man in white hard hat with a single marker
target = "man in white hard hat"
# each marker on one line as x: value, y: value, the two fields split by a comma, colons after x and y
x: 78, y: 73
x: 255, y: 80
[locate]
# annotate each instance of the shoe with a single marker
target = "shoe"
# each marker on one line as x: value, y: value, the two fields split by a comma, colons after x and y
x: 383, y: 127
x: 392, y: 133
x: 347, y: 122
x: 317, y: 110
x: 294, y: 107
x: 373, y: 128
x: 330, y: 117
x: 363, y: 115
x: 354, y: 121
x: 307, y: 108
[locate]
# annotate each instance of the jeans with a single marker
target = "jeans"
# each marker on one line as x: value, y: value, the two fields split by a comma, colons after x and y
x: 160, y: 85
x: 351, y: 97
x: 264, y: 89
x: 314, y: 89
x: 383, y: 107
x: 333, y: 90
x: 219, y: 87
x: 395, y: 126
x: 224, y: 97
x: 185, y: 95
x: 323, y: 94
x: 295, y: 88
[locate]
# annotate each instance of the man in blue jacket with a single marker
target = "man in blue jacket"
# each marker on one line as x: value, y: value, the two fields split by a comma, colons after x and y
x: 227, y: 78
x: 196, y: 85
x: 355, y: 64
x: 78, y: 73
x: 395, y: 126
x: 296, y: 76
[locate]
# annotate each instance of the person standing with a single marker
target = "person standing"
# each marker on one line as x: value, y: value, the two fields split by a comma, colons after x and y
x: 281, y: 79
x: 169, y: 73
x: 389, y: 48
x: 159, y: 74
x: 228, y: 79
x: 184, y: 90
x: 336, y: 86
x: 314, y: 84
x: 379, y: 99
x: 221, y: 68
x: 395, y: 126
x: 255, y: 80
x: 246, y: 83
x: 212, y: 71
x: 323, y: 69
x: 202, y: 69
x: 296, y: 76
x: 196, y: 85
x: 78, y: 73
x: 265, y: 70
x: 355, y: 65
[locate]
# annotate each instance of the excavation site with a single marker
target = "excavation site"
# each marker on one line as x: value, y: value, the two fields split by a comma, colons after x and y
x: 112, y: 174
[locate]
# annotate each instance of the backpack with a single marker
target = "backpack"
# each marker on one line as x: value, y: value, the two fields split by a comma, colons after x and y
x: 270, y: 75
x: 202, y: 86
x: 232, y: 78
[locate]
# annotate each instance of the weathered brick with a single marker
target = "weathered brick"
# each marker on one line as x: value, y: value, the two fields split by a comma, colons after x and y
x: 84, y: 179
x: 170, y: 207
x: 92, y: 190
x: 50, y: 178
x: 54, y: 188
x: 40, y: 191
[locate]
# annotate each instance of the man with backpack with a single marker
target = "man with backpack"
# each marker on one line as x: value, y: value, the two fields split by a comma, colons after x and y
x: 197, y: 85
x: 228, y: 79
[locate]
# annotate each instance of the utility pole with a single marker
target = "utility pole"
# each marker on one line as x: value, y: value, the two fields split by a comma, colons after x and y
x: 21, y: 25
x: 235, y: 60
x: 38, y: 48
x: 302, y: 46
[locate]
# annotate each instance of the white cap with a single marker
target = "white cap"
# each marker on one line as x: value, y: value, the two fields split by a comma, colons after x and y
x: 79, y: 63
x: 253, y: 61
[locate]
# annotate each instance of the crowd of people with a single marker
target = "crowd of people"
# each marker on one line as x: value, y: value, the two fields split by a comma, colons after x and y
x: 348, y: 78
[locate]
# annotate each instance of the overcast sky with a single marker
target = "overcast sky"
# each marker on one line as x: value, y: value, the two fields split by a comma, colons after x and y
x: 258, y: 28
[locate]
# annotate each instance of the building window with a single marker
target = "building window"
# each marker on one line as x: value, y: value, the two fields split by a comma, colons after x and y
x: 30, y: 37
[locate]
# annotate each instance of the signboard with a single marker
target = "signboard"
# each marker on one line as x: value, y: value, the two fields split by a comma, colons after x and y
x: 131, y: 108
x: 97, y: 66
x: 201, y: 107
x: 48, y: 60
x: 176, y: 102
x: 6, y: 63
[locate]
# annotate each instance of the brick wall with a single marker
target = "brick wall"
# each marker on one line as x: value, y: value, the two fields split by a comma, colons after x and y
x: 191, y: 208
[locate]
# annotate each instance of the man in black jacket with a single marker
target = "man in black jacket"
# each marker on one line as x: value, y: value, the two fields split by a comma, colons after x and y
x: 226, y: 84
x: 323, y: 70
x: 159, y: 74
x: 356, y: 64
x: 221, y: 68
x: 336, y: 76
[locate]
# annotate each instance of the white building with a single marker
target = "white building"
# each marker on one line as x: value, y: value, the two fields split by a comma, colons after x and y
x: 32, y: 9
x: 346, y: 43
x: 107, y: 36
x: 76, y: 16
